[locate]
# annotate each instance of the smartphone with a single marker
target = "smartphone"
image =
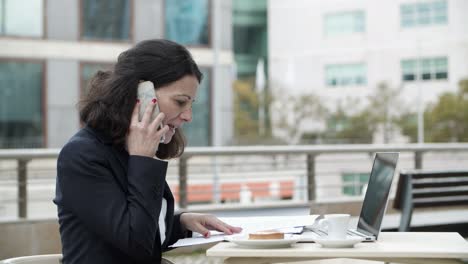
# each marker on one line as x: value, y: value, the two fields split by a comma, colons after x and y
x: 146, y: 93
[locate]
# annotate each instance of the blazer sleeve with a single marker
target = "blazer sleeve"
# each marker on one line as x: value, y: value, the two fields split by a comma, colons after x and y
x: 178, y: 231
x: 129, y: 221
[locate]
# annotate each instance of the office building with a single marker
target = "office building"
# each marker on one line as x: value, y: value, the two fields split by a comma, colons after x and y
x: 49, y: 49
x: 343, y: 49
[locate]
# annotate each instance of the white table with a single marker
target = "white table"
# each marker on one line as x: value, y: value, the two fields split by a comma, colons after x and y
x: 399, y: 247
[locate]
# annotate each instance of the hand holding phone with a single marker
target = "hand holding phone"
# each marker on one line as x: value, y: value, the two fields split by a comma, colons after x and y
x: 146, y: 94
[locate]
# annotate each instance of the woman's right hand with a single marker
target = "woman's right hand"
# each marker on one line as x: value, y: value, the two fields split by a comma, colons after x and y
x: 203, y: 223
x: 143, y: 136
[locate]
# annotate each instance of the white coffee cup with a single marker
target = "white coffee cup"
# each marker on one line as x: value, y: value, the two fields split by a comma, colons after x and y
x: 336, y: 224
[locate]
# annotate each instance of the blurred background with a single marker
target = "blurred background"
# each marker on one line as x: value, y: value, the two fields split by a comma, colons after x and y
x: 278, y: 74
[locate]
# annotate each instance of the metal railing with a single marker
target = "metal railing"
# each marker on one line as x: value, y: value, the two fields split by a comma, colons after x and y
x: 24, y: 156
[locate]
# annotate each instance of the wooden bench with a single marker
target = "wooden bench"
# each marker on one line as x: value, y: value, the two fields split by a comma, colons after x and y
x: 430, y: 189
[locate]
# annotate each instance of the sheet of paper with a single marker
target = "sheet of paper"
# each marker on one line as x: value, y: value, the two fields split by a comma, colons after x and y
x: 252, y: 224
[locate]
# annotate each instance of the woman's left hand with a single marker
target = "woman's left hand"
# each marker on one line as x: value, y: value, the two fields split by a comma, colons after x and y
x: 203, y: 223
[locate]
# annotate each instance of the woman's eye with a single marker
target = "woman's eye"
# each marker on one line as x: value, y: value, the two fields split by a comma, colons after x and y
x: 181, y: 103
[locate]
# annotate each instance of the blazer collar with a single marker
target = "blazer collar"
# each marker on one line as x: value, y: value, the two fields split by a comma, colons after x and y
x: 122, y: 153
x: 119, y: 153
x: 100, y: 135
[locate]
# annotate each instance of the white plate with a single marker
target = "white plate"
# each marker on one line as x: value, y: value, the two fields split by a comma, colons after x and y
x: 244, y: 241
x: 338, y: 243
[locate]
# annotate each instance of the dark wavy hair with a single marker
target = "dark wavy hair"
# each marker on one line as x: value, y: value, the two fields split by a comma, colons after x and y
x: 111, y: 97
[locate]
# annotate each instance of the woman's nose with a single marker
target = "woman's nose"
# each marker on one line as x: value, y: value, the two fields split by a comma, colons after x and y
x: 187, y: 115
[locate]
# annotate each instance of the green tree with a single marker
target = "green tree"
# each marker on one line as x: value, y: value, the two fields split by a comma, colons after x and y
x: 294, y: 111
x: 446, y: 120
x: 407, y: 122
x: 246, y: 118
x: 348, y: 125
x: 344, y: 127
x: 384, y: 109
x: 359, y: 130
x: 245, y: 105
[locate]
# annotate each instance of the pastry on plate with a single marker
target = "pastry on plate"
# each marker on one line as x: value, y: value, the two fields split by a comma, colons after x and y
x: 267, y: 234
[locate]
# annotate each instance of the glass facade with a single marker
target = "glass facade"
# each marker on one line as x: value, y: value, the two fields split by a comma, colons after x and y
x: 197, y: 132
x: 250, y: 36
x: 106, y: 20
x: 21, y: 105
x: 409, y: 70
x: 426, y: 69
x: 345, y: 23
x: 423, y: 14
x: 187, y: 21
x: 23, y: 18
x: 87, y: 72
x: 354, y: 183
x: 346, y: 74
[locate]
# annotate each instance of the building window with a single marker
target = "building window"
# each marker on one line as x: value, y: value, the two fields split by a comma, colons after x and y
x: 346, y: 74
x: 426, y: 69
x: 423, y: 14
x: 88, y: 70
x: 197, y: 132
x: 409, y: 70
x: 440, y: 68
x: 21, y: 105
x: 345, y: 23
x: 106, y: 20
x: 187, y: 21
x: 354, y: 183
x: 23, y: 18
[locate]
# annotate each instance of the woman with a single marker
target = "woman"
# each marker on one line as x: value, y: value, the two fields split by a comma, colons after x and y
x: 114, y: 204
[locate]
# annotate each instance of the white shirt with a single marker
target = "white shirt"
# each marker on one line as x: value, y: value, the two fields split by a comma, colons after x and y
x: 162, y: 221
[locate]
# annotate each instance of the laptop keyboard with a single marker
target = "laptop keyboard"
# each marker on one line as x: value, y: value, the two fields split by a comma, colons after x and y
x: 356, y: 233
x: 323, y: 233
x: 319, y: 232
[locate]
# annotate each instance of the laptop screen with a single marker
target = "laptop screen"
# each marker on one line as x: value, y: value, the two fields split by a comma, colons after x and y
x: 378, y: 189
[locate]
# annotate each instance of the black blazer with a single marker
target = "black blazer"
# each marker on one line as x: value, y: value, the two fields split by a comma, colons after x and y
x: 109, y: 203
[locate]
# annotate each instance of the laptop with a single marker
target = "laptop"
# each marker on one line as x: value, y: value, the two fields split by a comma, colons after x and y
x: 375, y: 200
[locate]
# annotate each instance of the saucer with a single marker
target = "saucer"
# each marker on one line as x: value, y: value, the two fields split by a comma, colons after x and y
x: 244, y: 241
x: 338, y: 243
